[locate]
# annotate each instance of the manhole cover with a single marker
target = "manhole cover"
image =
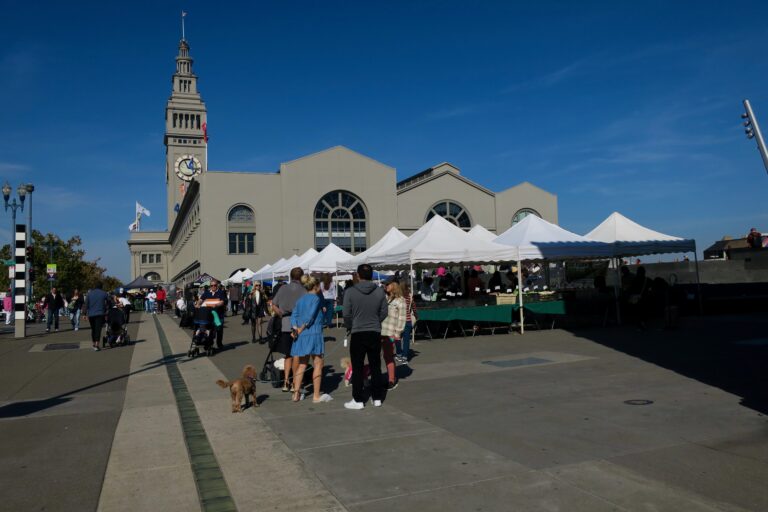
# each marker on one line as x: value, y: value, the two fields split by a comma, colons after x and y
x: 62, y: 346
x: 638, y: 402
x: 511, y: 363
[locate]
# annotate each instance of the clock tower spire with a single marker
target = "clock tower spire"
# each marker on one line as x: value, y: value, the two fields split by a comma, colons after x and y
x: 186, y: 140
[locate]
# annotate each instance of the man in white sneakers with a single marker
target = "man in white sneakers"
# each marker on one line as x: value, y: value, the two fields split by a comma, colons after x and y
x: 365, y: 307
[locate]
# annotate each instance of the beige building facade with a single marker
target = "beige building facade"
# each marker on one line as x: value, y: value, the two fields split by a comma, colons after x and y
x: 220, y: 221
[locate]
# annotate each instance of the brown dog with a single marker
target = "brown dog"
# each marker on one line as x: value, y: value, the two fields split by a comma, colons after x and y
x: 241, y: 388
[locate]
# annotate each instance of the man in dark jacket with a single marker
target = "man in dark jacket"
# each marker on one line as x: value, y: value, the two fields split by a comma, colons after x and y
x: 55, y: 303
x: 96, y: 307
x: 365, y: 307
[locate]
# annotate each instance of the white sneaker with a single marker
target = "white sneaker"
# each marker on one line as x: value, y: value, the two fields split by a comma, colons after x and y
x: 354, y: 405
x: 377, y: 403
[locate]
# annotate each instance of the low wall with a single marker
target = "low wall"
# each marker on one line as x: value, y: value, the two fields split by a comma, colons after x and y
x: 750, y: 270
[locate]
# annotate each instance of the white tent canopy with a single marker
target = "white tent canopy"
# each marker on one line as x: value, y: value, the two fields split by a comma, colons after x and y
x: 265, y: 272
x: 300, y: 261
x: 327, y: 259
x: 238, y: 277
x: 631, y: 239
x: 482, y: 233
x: 279, y: 267
x: 385, y: 243
x: 439, y: 241
x: 261, y: 271
x: 537, y: 239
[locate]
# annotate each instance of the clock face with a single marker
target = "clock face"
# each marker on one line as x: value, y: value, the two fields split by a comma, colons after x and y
x: 187, y: 167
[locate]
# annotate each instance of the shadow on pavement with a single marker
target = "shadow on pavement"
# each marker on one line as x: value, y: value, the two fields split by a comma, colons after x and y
x: 17, y: 409
x: 730, y: 353
x: 23, y: 408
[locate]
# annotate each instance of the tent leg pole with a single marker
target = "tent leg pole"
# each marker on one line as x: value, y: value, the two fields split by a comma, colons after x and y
x: 520, y: 294
x: 616, y: 288
x: 410, y: 278
x: 698, y: 282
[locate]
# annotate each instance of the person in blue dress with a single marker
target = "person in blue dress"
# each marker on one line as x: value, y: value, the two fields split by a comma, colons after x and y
x: 307, y: 328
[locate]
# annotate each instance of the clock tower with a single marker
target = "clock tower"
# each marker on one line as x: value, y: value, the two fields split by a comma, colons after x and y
x: 185, y: 132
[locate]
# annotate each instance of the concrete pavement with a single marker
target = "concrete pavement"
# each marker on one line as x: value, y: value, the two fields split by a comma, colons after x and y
x: 605, y: 419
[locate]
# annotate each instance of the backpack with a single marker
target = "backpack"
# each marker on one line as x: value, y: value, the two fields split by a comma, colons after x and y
x: 274, y: 331
x: 269, y: 373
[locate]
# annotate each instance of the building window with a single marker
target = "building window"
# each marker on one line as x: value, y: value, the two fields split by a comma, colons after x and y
x: 241, y: 226
x: 151, y: 258
x: 158, y: 258
x: 241, y: 243
x: 152, y: 276
x: 523, y: 213
x: 143, y: 258
x: 341, y: 218
x: 452, y: 212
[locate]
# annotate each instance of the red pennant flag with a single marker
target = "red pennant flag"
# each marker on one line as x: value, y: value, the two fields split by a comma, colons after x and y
x: 205, y: 132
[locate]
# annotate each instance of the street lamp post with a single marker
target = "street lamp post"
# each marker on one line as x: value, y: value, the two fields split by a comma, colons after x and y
x: 13, y: 205
x: 30, y: 188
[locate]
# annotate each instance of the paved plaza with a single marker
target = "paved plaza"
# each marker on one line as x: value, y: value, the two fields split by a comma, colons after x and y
x: 590, y: 420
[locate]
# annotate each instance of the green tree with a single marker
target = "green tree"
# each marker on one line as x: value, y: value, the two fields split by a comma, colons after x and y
x: 73, y: 270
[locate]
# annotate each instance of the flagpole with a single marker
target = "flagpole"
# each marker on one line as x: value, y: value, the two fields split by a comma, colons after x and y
x: 183, y: 37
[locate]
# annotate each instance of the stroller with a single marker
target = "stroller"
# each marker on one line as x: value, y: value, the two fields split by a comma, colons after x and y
x: 117, y: 333
x: 204, y: 333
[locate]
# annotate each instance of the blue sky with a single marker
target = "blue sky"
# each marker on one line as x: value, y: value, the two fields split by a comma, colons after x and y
x: 610, y: 105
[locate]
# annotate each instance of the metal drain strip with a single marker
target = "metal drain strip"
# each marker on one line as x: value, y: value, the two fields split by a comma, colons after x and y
x: 211, y: 487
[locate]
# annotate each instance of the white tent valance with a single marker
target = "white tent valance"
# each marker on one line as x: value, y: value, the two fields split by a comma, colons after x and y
x: 385, y: 243
x: 628, y: 238
x: 439, y: 241
x: 327, y: 259
x: 300, y: 261
x: 537, y: 239
x: 265, y: 272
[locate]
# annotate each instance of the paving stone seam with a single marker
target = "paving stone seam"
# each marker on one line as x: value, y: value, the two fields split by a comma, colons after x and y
x: 213, y: 492
x: 514, y: 476
x: 679, y: 491
x: 584, y: 490
x: 35, y: 377
x: 412, y: 433
x: 338, y: 505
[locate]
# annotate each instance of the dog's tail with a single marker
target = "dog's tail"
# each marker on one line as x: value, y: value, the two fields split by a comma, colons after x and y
x: 224, y: 384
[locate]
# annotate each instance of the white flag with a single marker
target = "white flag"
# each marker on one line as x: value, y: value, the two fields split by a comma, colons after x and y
x: 134, y: 226
x: 140, y: 210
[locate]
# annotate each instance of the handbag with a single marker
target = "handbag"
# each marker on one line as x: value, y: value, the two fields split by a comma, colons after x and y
x: 246, y: 315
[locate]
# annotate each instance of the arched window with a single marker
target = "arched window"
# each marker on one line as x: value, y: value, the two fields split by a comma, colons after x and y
x: 241, y: 227
x: 152, y: 276
x: 341, y: 218
x: 523, y: 213
x: 452, y: 212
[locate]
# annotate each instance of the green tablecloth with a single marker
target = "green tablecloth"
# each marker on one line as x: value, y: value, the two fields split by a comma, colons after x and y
x: 553, y: 307
x: 498, y: 313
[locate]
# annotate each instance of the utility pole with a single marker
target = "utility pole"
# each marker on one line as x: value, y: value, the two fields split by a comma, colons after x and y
x: 752, y: 130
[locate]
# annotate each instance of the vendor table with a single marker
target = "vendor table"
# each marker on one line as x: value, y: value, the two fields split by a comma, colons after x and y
x: 500, y: 313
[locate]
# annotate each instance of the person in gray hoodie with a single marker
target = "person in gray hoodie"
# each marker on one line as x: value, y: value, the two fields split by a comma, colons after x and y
x: 365, y: 307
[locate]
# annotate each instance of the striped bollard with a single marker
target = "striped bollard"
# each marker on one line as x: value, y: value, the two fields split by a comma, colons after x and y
x: 20, y: 282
